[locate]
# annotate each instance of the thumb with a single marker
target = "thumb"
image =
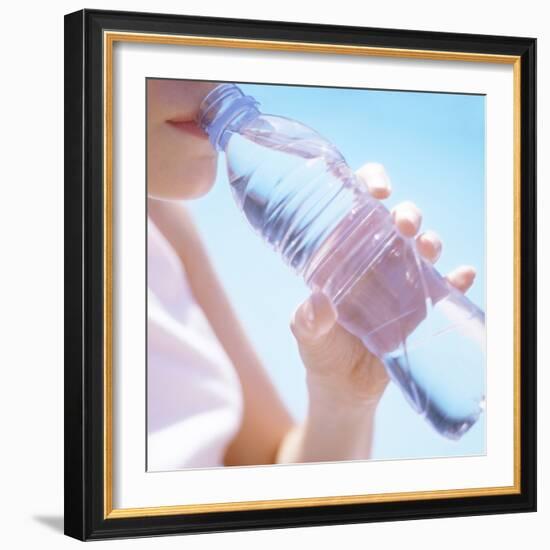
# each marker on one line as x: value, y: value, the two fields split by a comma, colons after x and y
x: 322, y: 342
x: 313, y: 319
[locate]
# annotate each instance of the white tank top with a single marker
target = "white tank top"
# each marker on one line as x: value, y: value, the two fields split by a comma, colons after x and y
x: 194, y: 399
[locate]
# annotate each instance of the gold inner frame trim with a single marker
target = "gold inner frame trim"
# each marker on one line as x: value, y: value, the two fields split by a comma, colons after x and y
x: 109, y: 39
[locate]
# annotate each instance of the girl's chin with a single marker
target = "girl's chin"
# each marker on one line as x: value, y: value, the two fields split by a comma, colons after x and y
x: 178, y: 185
x: 179, y: 193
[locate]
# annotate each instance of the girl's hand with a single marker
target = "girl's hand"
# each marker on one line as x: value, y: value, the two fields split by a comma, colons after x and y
x: 341, y: 371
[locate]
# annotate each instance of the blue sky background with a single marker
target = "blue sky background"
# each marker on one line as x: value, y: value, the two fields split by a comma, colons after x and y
x: 433, y: 147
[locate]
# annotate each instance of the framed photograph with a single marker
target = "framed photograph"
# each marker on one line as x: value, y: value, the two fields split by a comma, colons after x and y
x: 300, y: 283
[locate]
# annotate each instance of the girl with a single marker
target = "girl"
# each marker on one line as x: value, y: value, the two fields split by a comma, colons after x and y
x: 210, y: 401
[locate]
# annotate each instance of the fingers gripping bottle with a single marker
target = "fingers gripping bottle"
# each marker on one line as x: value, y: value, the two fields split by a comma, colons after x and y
x: 298, y: 193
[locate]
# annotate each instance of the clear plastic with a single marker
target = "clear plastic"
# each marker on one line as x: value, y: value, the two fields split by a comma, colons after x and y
x: 298, y: 193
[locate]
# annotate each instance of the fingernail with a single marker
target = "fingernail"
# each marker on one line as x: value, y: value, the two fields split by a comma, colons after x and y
x: 409, y: 216
x: 406, y: 222
x: 314, y: 307
x: 378, y: 180
x: 431, y: 240
x: 309, y: 313
x: 379, y: 184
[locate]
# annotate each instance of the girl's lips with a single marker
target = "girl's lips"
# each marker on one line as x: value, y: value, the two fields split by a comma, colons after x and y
x: 189, y: 127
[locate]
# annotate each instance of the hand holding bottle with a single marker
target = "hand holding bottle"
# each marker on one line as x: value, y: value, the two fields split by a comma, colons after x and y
x: 339, y: 367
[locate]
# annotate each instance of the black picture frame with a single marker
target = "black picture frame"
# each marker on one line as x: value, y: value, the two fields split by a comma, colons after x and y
x: 84, y: 282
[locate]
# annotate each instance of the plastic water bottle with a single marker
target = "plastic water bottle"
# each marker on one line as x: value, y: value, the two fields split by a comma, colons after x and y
x: 299, y: 194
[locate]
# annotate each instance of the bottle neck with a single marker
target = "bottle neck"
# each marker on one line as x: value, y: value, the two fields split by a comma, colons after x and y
x: 224, y: 111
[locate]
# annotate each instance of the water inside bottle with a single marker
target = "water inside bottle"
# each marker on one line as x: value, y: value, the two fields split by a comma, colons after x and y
x: 292, y: 191
x: 440, y: 367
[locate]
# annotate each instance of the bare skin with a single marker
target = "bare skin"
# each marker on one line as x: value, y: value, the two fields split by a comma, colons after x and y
x: 345, y: 381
